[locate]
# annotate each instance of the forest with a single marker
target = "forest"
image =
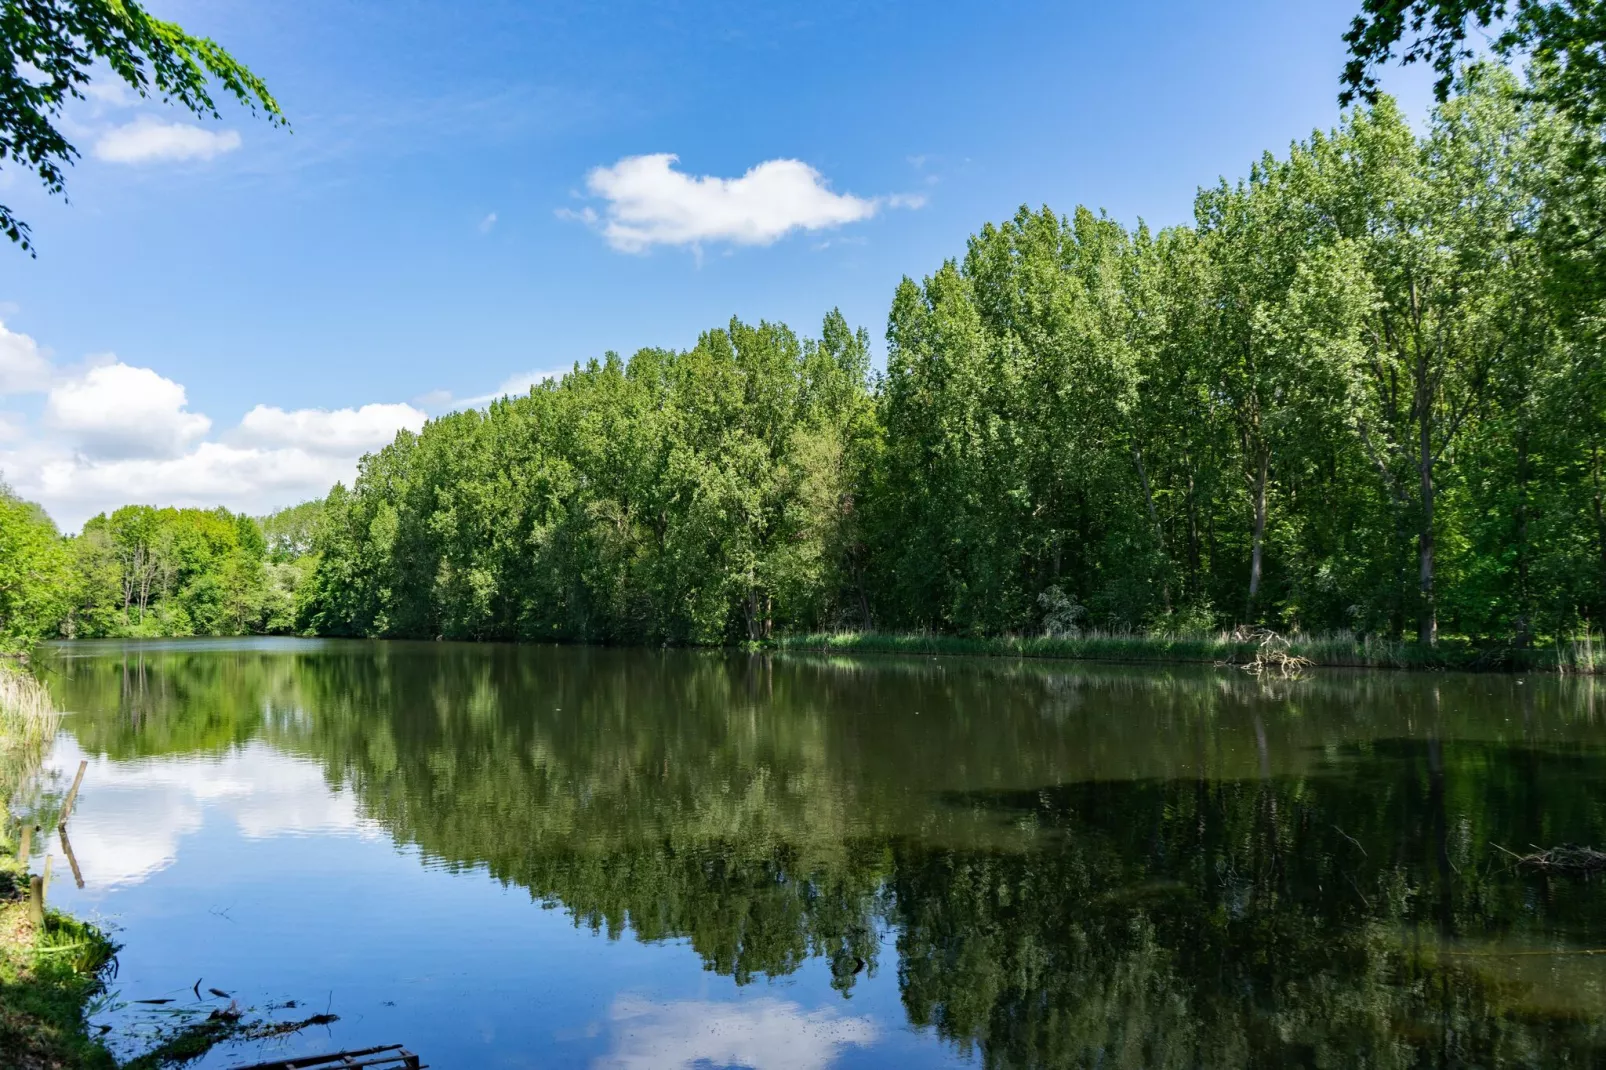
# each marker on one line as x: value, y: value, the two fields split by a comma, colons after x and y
x: 1361, y: 393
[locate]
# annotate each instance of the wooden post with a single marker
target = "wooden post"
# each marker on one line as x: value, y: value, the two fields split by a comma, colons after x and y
x: 36, y: 902
x: 27, y: 844
x: 72, y: 793
x: 66, y: 849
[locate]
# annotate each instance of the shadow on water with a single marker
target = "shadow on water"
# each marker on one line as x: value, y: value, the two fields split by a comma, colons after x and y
x: 1075, y: 866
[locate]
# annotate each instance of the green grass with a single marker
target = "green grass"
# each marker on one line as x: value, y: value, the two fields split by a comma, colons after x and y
x: 47, y: 980
x: 48, y: 976
x: 1339, y: 649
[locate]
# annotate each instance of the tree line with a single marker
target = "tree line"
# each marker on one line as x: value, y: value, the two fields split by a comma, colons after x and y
x: 1361, y: 391
x: 144, y: 571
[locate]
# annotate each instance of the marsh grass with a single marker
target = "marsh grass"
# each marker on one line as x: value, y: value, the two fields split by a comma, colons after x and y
x: 1239, y: 647
x: 28, y: 724
x: 48, y: 976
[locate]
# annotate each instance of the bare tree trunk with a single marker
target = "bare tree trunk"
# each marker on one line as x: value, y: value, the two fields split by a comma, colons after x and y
x: 1600, y: 511
x: 1154, y: 520
x: 1428, y: 629
x: 1257, y: 540
x: 1523, y: 627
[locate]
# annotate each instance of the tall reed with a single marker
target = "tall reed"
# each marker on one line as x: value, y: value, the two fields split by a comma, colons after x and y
x: 28, y: 723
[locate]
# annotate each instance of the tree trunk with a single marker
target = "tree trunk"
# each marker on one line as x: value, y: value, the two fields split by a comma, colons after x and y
x: 1428, y: 629
x: 1154, y: 521
x: 1524, y: 637
x: 1257, y: 540
x: 1600, y: 511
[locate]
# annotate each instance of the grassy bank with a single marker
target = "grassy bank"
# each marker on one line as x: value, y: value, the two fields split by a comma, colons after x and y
x: 50, y: 973
x: 1337, y: 650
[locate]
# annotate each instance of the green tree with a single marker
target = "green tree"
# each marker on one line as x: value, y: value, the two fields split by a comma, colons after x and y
x: 35, y: 572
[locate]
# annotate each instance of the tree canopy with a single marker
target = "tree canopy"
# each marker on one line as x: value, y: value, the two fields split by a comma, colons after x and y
x: 1565, y: 37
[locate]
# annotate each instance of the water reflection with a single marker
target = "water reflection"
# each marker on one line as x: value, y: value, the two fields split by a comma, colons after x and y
x: 1057, y: 867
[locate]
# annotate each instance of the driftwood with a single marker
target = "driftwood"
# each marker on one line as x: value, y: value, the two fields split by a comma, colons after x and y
x: 1273, y: 654
x: 1580, y: 860
x: 386, y: 1057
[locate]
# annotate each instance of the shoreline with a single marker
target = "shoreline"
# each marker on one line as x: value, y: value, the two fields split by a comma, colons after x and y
x: 52, y: 965
x: 1581, y: 657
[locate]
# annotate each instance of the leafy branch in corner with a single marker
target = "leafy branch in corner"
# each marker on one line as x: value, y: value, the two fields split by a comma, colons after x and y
x: 47, y: 51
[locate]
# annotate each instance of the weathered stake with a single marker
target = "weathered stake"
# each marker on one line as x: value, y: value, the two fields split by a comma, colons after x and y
x: 36, y: 902
x: 66, y: 849
x: 27, y: 844
x: 72, y: 793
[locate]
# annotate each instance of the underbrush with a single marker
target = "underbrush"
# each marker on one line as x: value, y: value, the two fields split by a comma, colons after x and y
x: 1237, y: 647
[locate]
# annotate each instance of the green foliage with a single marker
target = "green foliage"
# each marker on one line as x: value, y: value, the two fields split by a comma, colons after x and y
x: 1564, y: 37
x: 1362, y: 395
x: 35, y: 572
x: 148, y: 571
x: 703, y: 496
x: 48, y: 51
x: 1352, y: 397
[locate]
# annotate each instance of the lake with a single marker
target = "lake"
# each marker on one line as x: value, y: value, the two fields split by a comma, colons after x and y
x: 529, y: 856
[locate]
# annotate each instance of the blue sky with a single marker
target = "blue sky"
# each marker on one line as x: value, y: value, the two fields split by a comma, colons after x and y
x: 229, y: 312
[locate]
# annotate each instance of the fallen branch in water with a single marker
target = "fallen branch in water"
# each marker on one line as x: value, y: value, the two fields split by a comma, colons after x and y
x: 1273, y: 654
x: 192, y: 1041
x: 1566, y: 859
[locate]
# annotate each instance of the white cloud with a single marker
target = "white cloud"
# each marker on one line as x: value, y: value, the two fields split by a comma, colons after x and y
x: 907, y: 200
x: 487, y: 223
x: 340, y: 431
x: 113, y: 434
x: 111, y: 90
x: 74, y: 487
x: 765, y: 1034
x: 120, y: 411
x: 650, y: 203
x: 132, y: 817
x: 146, y: 140
x: 521, y: 382
x: 516, y: 385
x: 587, y: 215
x: 23, y: 366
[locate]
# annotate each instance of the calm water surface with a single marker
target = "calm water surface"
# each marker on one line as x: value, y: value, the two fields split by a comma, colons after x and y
x: 525, y: 856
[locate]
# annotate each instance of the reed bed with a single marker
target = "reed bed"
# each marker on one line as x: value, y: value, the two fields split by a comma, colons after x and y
x: 28, y: 724
x: 1241, y: 647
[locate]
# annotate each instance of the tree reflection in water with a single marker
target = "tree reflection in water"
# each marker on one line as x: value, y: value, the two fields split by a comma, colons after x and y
x: 1074, y: 866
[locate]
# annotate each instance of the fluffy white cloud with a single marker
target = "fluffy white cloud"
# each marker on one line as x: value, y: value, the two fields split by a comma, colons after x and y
x: 766, y: 1034
x: 147, y: 140
x: 119, y: 411
x: 346, y: 432
x: 520, y: 383
x: 115, y: 434
x: 74, y: 487
x: 650, y: 203
x: 133, y: 817
x: 23, y: 367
